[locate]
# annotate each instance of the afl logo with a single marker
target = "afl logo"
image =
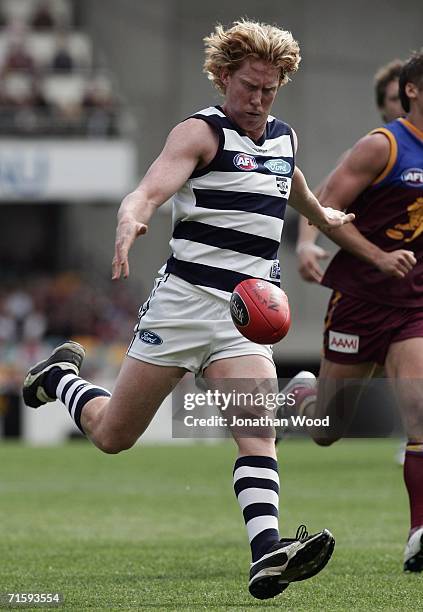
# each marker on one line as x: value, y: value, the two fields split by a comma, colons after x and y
x: 413, y: 177
x: 150, y: 337
x: 278, y: 166
x: 245, y: 162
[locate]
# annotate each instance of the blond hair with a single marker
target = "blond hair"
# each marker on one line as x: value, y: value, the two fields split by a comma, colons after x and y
x: 227, y: 49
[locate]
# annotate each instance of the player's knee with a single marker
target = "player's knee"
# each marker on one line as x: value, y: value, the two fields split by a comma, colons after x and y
x: 414, y: 419
x: 114, y: 445
x: 325, y: 440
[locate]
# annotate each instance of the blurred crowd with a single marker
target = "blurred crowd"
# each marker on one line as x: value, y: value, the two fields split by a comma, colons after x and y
x: 45, y: 310
x: 64, y: 306
x: 49, y: 84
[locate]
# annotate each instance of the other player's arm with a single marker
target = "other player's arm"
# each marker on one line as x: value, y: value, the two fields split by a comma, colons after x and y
x: 308, y: 252
x: 190, y: 144
x: 364, y: 163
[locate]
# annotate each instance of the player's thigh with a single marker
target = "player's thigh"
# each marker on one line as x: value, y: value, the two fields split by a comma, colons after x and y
x: 247, y: 375
x: 139, y: 391
x: 404, y: 366
x: 254, y: 367
x: 341, y: 381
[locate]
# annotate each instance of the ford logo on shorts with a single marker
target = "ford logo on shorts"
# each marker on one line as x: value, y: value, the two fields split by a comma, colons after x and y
x: 149, y: 337
x: 245, y: 162
x: 278, y: 166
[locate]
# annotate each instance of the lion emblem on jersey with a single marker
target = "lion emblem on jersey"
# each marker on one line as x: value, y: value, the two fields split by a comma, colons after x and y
x: 414, y: 225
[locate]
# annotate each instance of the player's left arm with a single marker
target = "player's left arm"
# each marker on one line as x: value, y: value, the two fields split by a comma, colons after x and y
x: 309, y: 253
x: 306, y: 203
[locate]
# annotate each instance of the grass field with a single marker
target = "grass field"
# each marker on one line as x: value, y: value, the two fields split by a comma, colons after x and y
x: 159, y: 527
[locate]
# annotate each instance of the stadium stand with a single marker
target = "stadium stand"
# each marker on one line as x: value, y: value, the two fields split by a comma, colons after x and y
x: 50, y: 83
x: 54, y: 93
x: 42, y: 311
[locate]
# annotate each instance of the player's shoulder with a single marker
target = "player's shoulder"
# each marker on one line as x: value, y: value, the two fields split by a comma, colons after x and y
x: 201, y: 122
x: 192, y: 129
x: 210, y: 112
x: 370, y: 154
x: 277, y: 127
x: 198, y: 137
x: 374, y: 144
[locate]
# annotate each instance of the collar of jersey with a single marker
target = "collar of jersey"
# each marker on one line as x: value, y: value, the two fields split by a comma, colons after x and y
x: 257, y: 143
x: 411, y: 127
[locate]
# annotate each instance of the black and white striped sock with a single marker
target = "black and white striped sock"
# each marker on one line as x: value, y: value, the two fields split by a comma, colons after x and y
x: 256, y: 485
x: 75, y: 392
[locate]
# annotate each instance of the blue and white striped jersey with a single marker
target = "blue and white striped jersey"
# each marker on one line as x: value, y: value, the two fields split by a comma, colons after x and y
x: 228, y: 217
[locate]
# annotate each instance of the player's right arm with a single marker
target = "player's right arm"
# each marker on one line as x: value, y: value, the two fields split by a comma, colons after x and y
x: 364, y: 163
x: 308, y: 252
x: 190, y: 144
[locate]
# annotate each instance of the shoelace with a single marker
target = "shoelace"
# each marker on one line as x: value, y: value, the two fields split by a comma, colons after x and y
x: 302, y: 533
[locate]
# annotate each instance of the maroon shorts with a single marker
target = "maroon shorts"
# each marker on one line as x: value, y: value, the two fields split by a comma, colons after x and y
x: 358, y: 331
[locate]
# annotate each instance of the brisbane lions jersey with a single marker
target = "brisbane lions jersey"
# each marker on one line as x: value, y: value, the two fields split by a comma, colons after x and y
x: 389, y: 213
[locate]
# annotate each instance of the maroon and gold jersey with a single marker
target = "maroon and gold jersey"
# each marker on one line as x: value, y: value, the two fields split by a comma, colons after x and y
x: 389, y: 213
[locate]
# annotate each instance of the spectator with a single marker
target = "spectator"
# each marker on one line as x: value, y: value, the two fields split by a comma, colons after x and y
x: 62, y: 61
x: 42, y: 18
x: 100, y: 108
x: 8, y: 325
x: 34, y: 326
x: 18, y: 59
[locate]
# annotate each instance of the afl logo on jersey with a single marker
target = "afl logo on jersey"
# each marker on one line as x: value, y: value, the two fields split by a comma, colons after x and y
x: 278, y: 166
x: 413, y: 177
x: 245, y: 162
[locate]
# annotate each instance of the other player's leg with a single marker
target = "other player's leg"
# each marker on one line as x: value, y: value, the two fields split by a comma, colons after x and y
x: 275, y: 562
x: 339, y: 389
x: 404, y: 364
x: 113, y: 422
x: 335, y: 394
x: 352, y: 345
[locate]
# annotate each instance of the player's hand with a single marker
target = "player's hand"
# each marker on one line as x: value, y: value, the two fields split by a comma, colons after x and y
x: 127, y: 231
x: 396, y: 263
x: 331, y: 218
x: 309, y: 255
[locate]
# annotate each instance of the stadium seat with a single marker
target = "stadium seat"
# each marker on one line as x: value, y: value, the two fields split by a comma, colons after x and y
x: 22, y: 10
x: 64, y: 90
x: 42, y: 47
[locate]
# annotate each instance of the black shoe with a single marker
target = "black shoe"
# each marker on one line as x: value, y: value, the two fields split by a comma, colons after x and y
x: 290, y: 560
x: 67, y: 356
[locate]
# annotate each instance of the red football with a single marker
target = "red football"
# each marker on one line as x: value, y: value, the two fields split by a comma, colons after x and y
x: 260, y: 311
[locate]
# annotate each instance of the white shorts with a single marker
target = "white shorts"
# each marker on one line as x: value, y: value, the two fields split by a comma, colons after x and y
x: 182, y: 325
